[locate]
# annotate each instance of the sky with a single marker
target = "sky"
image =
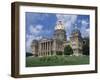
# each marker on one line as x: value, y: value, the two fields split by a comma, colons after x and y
x: 41, y: 25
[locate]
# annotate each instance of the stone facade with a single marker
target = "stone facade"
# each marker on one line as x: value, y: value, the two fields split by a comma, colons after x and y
x: 76, y: 42
x: 56, y: 45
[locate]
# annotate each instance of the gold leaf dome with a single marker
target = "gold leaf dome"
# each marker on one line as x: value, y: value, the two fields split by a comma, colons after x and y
x: 59, y: 25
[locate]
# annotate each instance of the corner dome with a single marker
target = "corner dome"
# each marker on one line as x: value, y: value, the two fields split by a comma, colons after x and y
x: 75, y: 29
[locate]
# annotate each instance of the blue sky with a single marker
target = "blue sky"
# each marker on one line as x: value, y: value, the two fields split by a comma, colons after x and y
x: 40, y: 25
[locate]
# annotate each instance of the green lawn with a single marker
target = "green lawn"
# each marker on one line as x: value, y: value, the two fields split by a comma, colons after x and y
x: 56, y: 60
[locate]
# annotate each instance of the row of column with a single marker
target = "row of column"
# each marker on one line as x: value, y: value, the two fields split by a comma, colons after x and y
x: 45, y: 48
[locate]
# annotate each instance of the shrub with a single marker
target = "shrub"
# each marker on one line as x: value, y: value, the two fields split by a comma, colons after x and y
x: 68, y: 50
x: 59, y: 53
x: 85, y: 48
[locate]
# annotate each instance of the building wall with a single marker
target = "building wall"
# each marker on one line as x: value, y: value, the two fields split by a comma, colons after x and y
x: 56, y: 45
x: 76, y: 43
x: 45, y: 48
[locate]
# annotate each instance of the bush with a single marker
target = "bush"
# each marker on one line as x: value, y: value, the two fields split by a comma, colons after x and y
x: 28, y: 54
x: 59, y: 53
x: 85, y: 48
x: 68, y: 50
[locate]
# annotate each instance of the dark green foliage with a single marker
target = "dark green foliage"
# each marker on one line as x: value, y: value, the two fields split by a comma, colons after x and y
x: 56, y: 60
x: 51, y: 52
x: 59, y: 53
x: 85, y: 48
x: 28, y: 54
x: 68, y: 50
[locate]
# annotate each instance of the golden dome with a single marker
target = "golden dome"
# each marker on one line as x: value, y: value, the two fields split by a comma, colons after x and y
x: 59, y: 25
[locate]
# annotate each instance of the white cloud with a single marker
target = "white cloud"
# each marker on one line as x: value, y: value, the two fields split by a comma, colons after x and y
x: 84, y: 30
x: 86, y: 33
x: 88, y: 30
x: 30, y: 38
x: 68, y: 21
x: 35, y: 29
x: 84, y: 23
x: 28, y: 43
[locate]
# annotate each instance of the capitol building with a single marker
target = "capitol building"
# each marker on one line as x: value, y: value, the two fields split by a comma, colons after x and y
x: 56, y: 45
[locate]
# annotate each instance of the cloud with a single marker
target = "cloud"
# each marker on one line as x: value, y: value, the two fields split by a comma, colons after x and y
x: 30, y: 38
x: 68, y: 21
x: 85, y: 28
x: 34, y: 17
x: 84, y: 23
x: 35, y: 29
x: 85, y: 33
x: 34, y: 34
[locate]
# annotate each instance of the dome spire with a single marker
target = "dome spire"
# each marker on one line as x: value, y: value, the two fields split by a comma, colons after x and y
x: 59, y: 25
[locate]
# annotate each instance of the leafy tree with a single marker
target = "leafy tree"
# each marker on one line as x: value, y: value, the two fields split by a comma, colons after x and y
x: 85, y: 48
x: 59, y: 53
x: 68, y: 50
x: 28, y: 54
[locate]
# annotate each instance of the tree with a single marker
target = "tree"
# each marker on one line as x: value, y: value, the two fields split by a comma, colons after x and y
x: 85, y: 48
x: 59, y: 52
x: 68, y: 50
x: 28, y: 54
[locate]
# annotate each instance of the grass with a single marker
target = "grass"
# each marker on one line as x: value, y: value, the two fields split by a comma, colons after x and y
x: 56, y: 60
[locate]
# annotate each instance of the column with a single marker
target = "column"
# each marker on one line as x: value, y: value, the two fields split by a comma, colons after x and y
x: 50, y: 48
x: 45, y: 48
x: 40, y: 49
x: 54, y: 45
